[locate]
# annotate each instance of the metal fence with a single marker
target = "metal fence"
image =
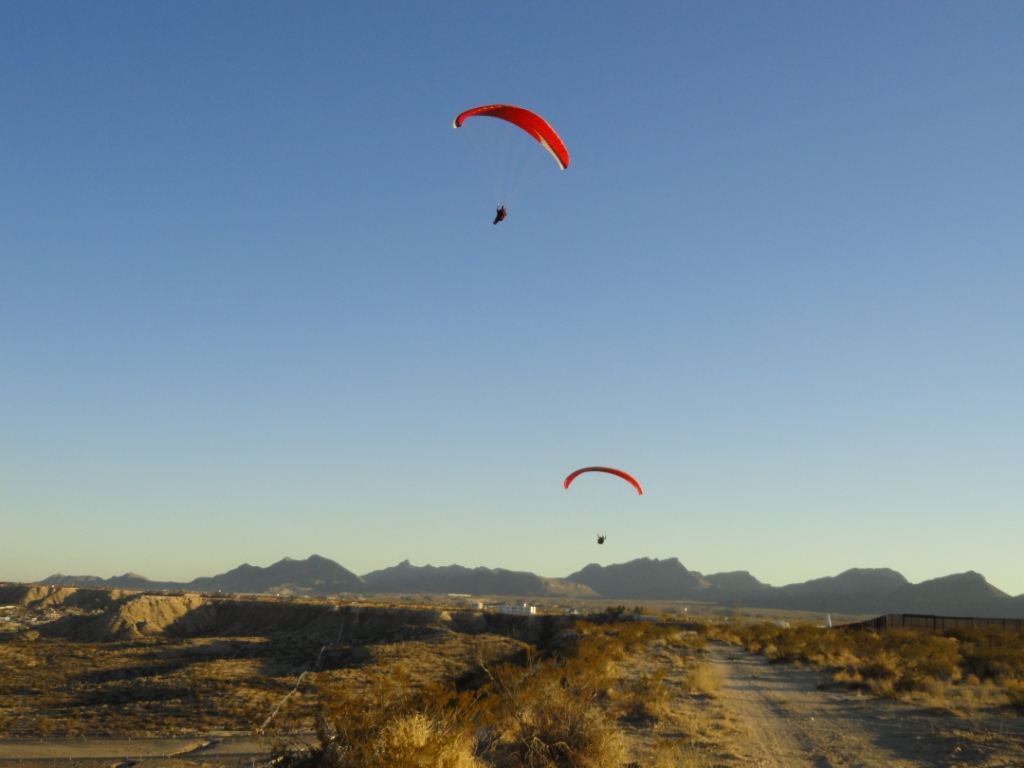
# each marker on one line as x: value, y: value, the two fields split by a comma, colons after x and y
x: 929, y: 623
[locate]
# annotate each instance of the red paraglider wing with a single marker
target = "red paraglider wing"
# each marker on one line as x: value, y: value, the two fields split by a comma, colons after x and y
x: 532, y: 123
x: 617, y: 472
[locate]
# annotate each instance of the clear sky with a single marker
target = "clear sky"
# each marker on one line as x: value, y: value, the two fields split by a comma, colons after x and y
x: 252, y: 304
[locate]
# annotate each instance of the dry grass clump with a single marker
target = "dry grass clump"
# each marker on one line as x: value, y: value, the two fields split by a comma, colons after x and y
x: 703, y: 678
x: 388, y: 724
x: 645, y: 698
x: 549, y: 714
x: 689, y: 642
x: 961, y: 698
x: 1015, y: 693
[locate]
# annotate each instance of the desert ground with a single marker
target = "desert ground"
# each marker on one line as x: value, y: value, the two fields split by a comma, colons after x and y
x: 784, y: 717
x: 762, y: 715
x: 174, y: 689
x: 787, y: 716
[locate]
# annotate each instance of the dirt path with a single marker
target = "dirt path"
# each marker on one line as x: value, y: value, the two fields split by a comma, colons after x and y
x: 783, y: 720
x: 226, y: 750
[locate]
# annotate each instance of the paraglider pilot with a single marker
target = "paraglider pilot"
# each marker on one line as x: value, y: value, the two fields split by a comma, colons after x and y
x: 501, y: 214
x: 600, y: 538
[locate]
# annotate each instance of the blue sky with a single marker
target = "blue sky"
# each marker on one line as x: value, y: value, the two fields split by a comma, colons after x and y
x: 252, y: 304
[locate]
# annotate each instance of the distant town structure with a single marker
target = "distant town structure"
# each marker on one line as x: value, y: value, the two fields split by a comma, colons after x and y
x: 520, y: 609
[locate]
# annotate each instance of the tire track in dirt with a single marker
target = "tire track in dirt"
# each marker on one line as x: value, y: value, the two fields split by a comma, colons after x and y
x: 789, y: 723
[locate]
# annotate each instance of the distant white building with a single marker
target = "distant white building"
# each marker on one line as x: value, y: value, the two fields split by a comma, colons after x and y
x: 523, y: 609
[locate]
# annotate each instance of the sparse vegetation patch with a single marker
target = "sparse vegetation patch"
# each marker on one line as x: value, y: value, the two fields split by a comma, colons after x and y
x: 541, y: 707
x: 960, y: 670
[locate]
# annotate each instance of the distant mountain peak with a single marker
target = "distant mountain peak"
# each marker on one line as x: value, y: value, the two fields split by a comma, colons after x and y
x: 644, y: 578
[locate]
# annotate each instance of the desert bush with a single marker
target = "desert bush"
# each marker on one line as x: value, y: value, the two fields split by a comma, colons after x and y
x: 852, y: 679
x: 554, y: 711
x: 644, y: 698
x: 701, y: 677
x: 1015, y: 693
x: 964, y: 698
x: 923, y: 657
x: 389, y: 724
x: 991, y: 653
x: 723, y: 634
x: 692, y: 642
x: 547, y: 713
x: 883, y: 687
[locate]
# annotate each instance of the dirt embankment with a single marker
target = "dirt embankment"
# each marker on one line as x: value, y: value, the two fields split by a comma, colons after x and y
x: 98, y: 615
x: 39, y: 597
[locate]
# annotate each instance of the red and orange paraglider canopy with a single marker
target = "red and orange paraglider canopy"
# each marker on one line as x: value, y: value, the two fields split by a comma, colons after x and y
x: 611, y: 471
x: 531, y: 122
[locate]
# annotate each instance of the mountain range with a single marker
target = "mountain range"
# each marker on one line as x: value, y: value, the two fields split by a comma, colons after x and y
x: 858, y: 590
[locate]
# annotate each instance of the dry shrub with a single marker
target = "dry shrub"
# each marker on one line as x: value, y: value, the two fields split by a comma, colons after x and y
x: 689, y: 640
x: 389, y: 724
x: 991, y: 653
x: 695, y: 724
x: 883, y: 687
x: 420, y: 740
x: 853, y: 679
x: 723, y: 635
x: 701, y: 677
x: 963, y: 700
x: 548, y: 714
x: 1014, y: 689
x: 922, y: 659
x: 645, y: 698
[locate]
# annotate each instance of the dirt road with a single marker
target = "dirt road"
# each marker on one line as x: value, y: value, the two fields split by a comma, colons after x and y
x: 784, y: 720
x: 226, y: 750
